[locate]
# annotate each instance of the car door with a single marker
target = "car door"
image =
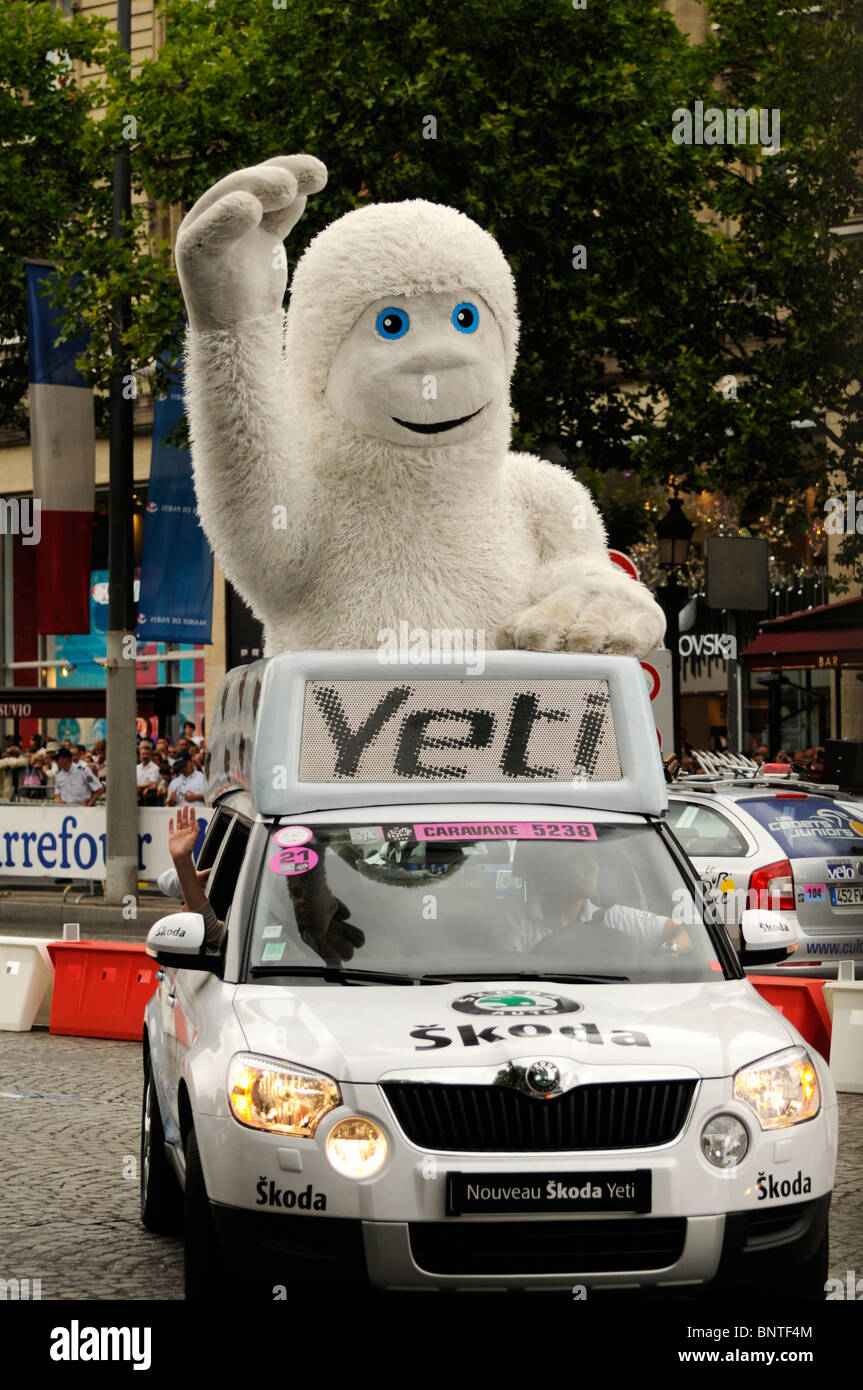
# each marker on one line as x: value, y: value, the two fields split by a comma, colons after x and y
x: 191, y: 986
x: 217, y: 834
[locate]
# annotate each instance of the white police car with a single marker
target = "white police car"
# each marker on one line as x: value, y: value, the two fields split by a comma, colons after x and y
x: 472, y: 1025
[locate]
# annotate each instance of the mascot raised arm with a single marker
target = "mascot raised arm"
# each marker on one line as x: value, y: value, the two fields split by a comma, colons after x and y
x: 351, y: 457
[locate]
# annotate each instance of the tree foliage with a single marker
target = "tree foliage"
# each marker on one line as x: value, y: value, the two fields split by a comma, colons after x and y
x: 46, y: 136
x: 552, y: 127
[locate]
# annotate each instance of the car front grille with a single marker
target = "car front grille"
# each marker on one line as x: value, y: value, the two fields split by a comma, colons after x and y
x: 485, y: 1119
x: 548, y: 1247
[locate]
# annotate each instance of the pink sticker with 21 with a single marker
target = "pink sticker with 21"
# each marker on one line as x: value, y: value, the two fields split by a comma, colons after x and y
x: 293, y: 859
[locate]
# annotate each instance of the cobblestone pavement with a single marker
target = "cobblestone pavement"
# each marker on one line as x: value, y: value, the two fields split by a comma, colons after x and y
x: 70, y: 1120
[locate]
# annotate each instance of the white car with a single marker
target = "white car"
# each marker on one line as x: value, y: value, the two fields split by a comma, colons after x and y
x: 794, y: 847
x: 473, y: 1025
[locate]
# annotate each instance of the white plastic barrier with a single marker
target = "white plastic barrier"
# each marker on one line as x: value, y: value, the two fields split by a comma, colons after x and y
x: 26, y: 980
x: 844, y: 999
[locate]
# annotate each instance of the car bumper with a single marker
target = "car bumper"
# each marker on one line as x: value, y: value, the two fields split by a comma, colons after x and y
x: 281, y: 1208
x: 736, y: 1248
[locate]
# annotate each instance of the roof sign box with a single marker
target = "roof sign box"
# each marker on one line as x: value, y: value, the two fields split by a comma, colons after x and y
x: 321, y: 730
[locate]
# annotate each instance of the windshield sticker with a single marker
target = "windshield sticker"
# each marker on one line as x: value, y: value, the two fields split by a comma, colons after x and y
x: 293, y: 860
x: 274, y: 951
x: 514, y: 1003
x: 432, y: 1035
x: 398, y: 834
x: 515, y: 830
x: 272, y: 929
x: 293, y: 835
x: 365, y: 834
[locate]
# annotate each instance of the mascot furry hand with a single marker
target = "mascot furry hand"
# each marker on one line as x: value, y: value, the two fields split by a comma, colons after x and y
x: 351, y: 458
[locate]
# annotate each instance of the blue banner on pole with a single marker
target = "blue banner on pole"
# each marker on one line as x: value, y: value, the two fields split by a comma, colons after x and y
x: 176, y: 596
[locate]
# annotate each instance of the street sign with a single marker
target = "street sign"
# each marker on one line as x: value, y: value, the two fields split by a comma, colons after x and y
x: 657, y: 674
x: 618, y: 558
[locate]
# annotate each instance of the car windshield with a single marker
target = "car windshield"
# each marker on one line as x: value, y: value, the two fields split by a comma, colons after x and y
x: 482, y: 901
x: 808, y: 827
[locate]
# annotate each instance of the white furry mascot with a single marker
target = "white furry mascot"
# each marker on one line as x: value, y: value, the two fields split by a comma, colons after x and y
x: 352, y: 459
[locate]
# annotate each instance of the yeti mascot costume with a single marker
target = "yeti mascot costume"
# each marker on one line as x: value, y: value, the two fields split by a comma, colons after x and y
x: 351, y: 458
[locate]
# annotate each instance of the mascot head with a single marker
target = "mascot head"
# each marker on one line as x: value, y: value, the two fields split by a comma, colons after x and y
x: 402, y: 334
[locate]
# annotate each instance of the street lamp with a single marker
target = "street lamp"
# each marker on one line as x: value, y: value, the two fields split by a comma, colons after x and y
x: 674, y: 533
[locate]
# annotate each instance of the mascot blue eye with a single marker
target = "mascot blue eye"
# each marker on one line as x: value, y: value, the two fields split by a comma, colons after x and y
x: 465, y: 317
x: 392, y: 323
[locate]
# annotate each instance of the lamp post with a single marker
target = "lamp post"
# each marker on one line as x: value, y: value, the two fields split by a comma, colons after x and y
x: 121, y: 809
x: 674, y: 533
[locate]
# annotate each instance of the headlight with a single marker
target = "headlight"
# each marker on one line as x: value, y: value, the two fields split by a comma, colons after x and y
x: 782, y: 1090
x: 271, y: 1095
x: 356, y: 1148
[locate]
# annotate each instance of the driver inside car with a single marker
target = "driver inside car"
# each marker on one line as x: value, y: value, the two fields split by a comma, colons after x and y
x: 566, y: 898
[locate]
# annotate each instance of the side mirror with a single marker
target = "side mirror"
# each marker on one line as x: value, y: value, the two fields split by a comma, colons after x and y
x: 180, y: 940
x: 765, y: 937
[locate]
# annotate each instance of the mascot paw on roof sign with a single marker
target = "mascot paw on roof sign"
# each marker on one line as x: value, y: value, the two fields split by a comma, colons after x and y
x: 351, y: 457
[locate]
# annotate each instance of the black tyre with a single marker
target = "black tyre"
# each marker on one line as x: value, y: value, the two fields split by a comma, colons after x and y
x: 161, y: 1197
x: 208, y: 1276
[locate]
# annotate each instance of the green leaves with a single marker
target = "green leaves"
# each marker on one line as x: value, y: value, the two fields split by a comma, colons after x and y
x: 553, y: 130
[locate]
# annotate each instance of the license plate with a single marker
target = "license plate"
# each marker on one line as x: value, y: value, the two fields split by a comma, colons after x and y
x: 474, y: 1194
x: 846, y: 895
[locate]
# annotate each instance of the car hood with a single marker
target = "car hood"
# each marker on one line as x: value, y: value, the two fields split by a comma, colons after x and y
x: 361, y: 1033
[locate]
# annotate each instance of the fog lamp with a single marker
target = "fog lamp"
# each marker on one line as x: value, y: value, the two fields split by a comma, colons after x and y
x: 724, y: 1141
x: 356, y: 1148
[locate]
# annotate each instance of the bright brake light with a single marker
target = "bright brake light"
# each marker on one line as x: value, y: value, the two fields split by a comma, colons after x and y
x: 774, y: 881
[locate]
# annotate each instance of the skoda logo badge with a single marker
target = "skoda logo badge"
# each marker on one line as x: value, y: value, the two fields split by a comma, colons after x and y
x: 543, y: 1077
x: 515, y: 1003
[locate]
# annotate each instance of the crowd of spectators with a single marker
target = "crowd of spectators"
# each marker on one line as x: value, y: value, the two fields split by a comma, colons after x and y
x: 168, y: 773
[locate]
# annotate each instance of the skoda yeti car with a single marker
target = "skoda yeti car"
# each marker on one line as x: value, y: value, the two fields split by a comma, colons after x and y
x: 472, y: 1023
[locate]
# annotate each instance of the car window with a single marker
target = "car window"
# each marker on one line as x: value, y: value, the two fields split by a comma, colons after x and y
x: 807, y: 827
x: 216, y: 832
x: 702, y: 830
x: 223, y: 880
x: 580, y: 898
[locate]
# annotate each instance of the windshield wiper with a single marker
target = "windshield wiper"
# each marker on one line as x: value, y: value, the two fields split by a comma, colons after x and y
x: 554, y: 975
x: 335, y: 973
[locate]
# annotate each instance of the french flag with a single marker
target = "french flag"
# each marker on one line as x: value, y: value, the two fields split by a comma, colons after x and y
x: 63, y: 446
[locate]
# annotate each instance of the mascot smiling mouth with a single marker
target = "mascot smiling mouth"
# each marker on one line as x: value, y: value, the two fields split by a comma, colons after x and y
x: 438, y: 427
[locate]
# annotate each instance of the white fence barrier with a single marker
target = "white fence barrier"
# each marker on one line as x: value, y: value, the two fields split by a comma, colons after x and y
x: 69, y: 841
x: 26, y: 980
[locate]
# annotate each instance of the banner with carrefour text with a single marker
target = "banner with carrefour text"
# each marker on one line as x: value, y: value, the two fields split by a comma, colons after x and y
x: 54, y: 841
x: 175, y: 602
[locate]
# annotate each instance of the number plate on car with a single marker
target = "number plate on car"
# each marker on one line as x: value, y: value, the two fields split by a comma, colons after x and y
x: 847, y: 895
x: 469, y: 1194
